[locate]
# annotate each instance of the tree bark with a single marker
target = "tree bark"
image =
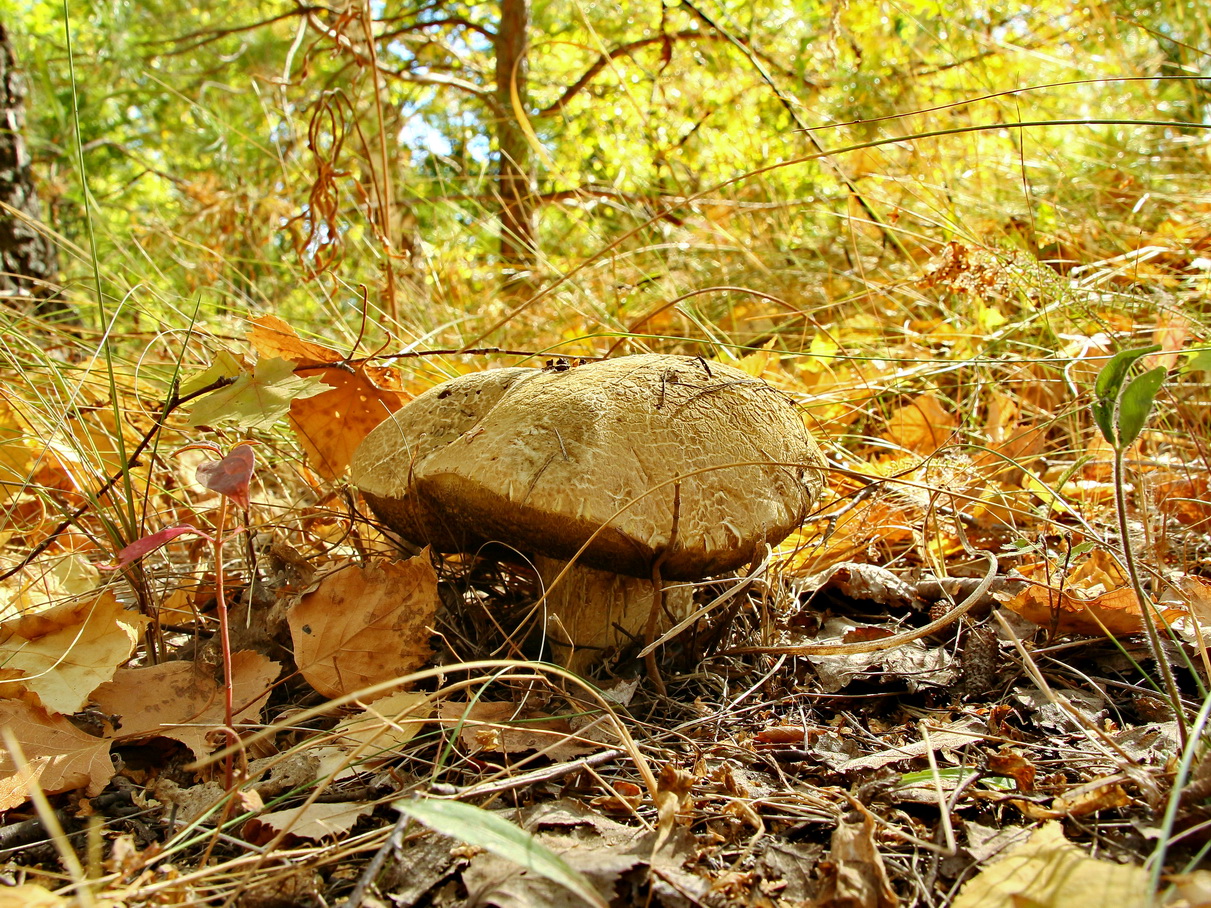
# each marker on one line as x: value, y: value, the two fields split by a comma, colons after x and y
x: 29, y: 267
x: 518, y: 245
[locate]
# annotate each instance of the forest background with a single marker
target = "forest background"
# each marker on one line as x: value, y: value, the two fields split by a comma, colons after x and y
x: 931, y: 223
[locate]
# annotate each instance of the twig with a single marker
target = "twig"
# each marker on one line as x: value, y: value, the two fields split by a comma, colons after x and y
x: 174, y: 401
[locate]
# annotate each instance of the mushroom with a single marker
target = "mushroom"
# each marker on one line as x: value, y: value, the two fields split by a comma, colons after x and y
x: 636, y: 467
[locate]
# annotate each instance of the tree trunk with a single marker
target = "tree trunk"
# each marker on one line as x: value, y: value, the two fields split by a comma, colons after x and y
x: 518, y: 249
x: 29, y: 269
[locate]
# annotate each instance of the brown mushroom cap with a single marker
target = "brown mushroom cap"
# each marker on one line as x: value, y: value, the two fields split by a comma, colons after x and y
x: 543, y: 460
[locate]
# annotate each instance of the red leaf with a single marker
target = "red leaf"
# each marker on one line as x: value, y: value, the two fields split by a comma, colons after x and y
x: 231, y: 475
x: 153, y: 541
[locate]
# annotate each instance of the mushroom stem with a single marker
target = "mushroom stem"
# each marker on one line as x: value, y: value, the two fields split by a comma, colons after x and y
x: 591, y: 612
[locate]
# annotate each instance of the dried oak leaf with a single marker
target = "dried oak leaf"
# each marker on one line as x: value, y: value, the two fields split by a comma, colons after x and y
x: 360, y: 625
x: 58, y: 755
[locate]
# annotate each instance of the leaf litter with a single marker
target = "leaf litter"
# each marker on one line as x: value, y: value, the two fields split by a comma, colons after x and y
x: 920, y: 773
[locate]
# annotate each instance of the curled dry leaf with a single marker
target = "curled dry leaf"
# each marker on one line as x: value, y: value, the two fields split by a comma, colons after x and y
x: 63, y: 654
x: 59, y: 756
x: 854, y: 875
x: 1092, y: 601
x: 360, y: 625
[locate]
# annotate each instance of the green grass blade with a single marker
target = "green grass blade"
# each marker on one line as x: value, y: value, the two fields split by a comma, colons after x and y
x: 493, y: 833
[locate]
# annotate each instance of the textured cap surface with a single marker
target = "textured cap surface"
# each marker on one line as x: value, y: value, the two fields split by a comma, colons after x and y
x: 542, y: 460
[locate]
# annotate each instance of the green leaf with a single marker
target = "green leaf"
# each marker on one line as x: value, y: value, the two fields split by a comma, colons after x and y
x: 225, y: 365
x: 1135, y: 404
x: 1108, y: 387
x: 258, y: 400
x: 494, y: 833
x: 1199, y: 361
x: 1114, y: 373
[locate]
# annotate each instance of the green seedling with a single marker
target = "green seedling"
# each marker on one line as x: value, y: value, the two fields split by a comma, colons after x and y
x: 1121, y: 409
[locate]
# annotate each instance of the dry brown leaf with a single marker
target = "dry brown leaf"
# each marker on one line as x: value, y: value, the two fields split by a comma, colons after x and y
x: 1047, y: 871
x: 922, y: 425
x: 385, y: 726
x: 311, y: 822
x: 1185, y: 499
x: 65, y: 652
x: 45, y: 584
x: 1013, y: 765
x: 853, y: 876
x: 360, y: 625
x: 273, y: 337
x: 504, y: 727
x: 1117, y: 611
x: 1098, y: 573
x: 59, y: 755
x: 181, y: 701
x: 332, y: 424
x: 1093, y: 597
x: 1090, y: 799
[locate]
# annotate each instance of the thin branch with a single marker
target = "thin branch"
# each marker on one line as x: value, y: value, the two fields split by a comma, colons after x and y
x: 208, y: 36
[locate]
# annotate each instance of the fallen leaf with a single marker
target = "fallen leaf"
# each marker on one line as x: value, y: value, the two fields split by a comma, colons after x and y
x: 45, y: 584
x: 360, y: 625
x: 272, y: 336
x: 60, y: 756
x: 1012, y: 764
x: 853, y: 876
x: 310, y: 822
x: 506, y: 728
x: 922, y: 426
x: 1090, y: 798
x: 182, y: 701
x: 331, y: 424
x: 258, y: 400
x: 1048, y: 871
x: 65, y: 652
x: 1116, y: 612
x: 385, y: 726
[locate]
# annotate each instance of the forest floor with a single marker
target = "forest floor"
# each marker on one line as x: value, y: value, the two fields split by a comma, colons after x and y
x: 1043, y: 749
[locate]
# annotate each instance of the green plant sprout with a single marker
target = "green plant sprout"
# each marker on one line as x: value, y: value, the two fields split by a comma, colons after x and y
x: 1121, y: 410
